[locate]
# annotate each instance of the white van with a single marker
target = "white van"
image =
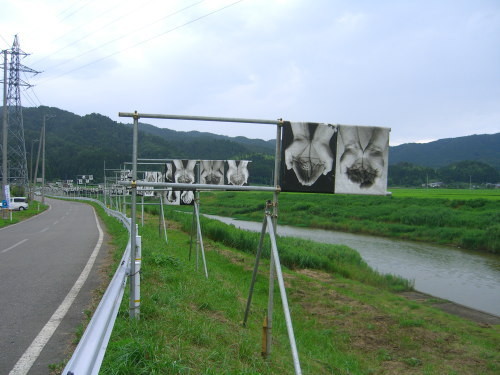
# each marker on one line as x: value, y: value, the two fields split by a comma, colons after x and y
x: 18, y: 203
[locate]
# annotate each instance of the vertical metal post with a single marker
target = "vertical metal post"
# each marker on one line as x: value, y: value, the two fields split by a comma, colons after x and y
x: 137, y: 275
x: 4, y: 127
x: 270, y: 303
x: 134, y: 311
x: 142, y: 210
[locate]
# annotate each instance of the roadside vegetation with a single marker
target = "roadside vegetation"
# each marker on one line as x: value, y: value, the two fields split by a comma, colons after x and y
x: 191, y: 325
x: 462, y: 218
x: 35, y: 208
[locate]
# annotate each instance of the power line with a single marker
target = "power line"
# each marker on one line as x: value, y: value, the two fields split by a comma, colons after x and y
x: 143, y: 41
x: 29, y: 99
x: 8, y: 44
x: 36, y: 62
x: 77, y: 10
x: 131, y: 32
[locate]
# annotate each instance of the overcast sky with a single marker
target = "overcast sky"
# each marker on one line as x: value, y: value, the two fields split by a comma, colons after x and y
x: 426, y: 69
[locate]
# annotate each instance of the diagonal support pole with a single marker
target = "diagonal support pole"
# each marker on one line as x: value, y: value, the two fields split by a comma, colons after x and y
x: 284, y: 300
x: 255, y: 270
x: 200, y: 238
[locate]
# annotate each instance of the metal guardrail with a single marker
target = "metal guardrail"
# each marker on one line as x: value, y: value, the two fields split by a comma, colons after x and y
x: 88, y: 355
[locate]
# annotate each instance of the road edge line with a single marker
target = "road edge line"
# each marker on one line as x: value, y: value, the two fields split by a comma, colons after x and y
x: 31, y: 354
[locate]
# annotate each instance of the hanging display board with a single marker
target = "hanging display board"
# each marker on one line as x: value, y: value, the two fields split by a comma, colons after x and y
x: 212, y: 172
x: 326, y: 158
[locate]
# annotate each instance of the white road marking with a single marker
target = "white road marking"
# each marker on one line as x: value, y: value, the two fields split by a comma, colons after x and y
x: 44, y: 230
x: 29, y: 357
x: 56, y: 222
x: 13, y: 246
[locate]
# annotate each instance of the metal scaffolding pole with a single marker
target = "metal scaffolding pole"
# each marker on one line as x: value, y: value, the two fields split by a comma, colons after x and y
x: 201, y: 118
x: 134, y: 304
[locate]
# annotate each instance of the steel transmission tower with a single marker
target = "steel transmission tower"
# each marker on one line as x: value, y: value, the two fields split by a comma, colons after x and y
x: 17, y: 168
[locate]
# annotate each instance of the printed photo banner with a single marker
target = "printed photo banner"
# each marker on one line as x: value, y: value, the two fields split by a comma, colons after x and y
x: 325, y: 158
x: 212, y: 172
x: 150, y: 176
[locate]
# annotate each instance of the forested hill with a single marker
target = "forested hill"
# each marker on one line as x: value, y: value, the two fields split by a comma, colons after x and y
x: 80, y: 144
x: 195, y: 140
x: 484, y: 148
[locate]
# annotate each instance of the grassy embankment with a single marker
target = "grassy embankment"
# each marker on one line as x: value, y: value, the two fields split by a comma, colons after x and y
x: 35, y: 208
x: 191, y: 325
x: 469, y: 219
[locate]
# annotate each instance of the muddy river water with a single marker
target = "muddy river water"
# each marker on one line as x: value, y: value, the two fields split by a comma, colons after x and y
x: 465, y: 277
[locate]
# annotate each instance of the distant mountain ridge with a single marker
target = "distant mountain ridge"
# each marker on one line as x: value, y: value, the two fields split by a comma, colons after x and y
x: 184, y: 138
x: 478, y: 147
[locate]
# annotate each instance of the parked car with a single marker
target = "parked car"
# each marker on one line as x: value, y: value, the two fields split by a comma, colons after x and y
x: 18, y: 203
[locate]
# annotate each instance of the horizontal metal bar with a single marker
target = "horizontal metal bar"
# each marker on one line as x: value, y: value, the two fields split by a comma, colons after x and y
x: 144, y: 159
x: 201, y: 118
x: 194, y: 187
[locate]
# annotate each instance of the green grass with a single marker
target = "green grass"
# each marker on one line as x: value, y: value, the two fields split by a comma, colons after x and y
x: 35, y: 208
x: 297, y: 253
x: 191, y: 325
x: 493, y: 194
x: 471, y: 223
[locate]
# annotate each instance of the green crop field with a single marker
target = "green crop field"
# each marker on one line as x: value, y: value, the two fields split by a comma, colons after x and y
x: 493, y: 194
x: 468, y: 219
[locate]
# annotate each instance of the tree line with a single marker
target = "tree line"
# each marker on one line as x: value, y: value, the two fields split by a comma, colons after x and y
x: 463, y: 172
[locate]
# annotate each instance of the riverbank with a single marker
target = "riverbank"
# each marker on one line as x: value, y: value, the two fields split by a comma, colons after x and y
x: 192, y: 325
x: 468, y: 223
x: 469, y: 278
x: 456, y: 309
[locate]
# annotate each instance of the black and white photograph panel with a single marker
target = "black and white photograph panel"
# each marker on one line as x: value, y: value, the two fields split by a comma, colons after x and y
x: 171, y: 197
x: 184, y: 173
x: 362, y: 160
x: 308, y: 160
x: 169, y: 175
x: 237, y: 172
x: 212, y: 172
x: 125, y: 175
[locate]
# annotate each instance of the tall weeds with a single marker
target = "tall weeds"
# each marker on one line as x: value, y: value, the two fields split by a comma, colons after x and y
x: 298, y: 253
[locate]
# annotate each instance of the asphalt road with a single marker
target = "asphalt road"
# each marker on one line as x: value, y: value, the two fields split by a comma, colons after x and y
x: 40, y: 261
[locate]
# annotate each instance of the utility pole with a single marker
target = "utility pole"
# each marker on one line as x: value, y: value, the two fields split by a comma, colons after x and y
x: 45, y: 117
x: 31, y: 184
x: 34, y: 177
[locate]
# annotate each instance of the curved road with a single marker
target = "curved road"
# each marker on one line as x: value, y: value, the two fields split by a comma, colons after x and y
x: 41, y: 260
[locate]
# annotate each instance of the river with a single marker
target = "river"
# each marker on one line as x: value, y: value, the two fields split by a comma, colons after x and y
x: 469, y: 278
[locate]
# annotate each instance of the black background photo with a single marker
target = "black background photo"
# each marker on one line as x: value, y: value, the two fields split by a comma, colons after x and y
x: 289, y: 181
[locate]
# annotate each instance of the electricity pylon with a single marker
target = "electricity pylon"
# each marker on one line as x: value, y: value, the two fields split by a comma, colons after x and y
x: 14, y: 169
